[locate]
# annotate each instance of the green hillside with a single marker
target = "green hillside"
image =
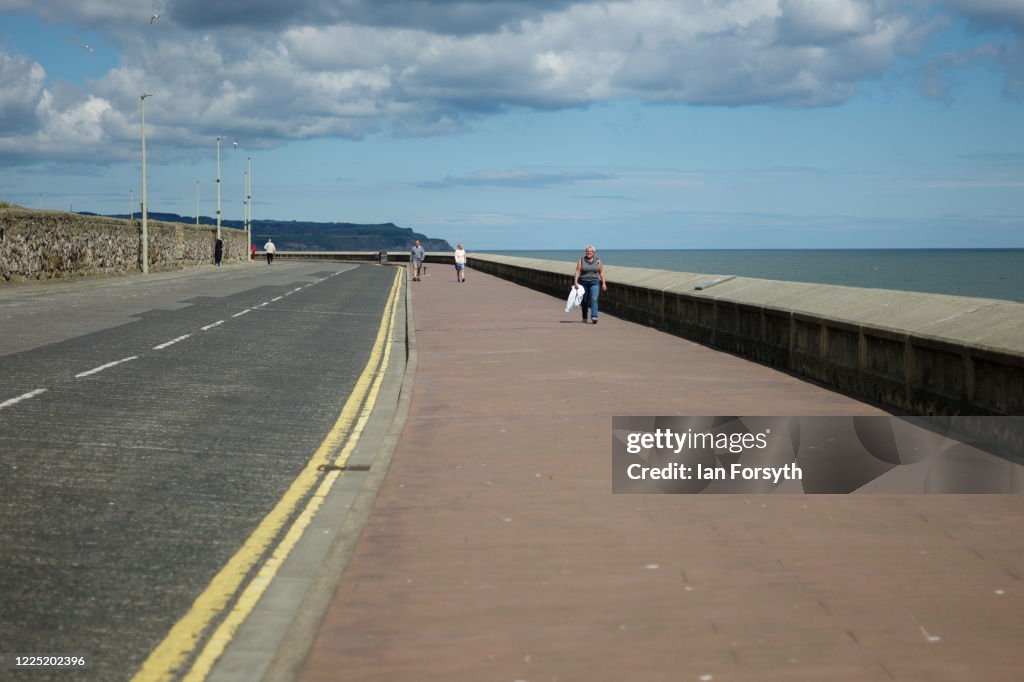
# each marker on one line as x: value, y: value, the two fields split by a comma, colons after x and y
x: 298, y: 235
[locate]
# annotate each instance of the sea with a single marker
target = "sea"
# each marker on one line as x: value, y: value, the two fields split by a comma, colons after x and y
x: 982, y: 273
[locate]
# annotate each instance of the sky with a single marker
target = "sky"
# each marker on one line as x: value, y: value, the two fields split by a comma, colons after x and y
x: 532, y: 124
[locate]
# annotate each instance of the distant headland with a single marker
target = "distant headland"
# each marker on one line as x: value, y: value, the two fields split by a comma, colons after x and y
x: 302, y: 235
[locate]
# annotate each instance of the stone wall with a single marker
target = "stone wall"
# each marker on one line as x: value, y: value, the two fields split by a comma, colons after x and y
x: 927, y: 354
x: 50, y: 244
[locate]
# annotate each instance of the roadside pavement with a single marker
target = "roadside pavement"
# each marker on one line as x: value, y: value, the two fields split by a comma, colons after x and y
x: 496, y: 551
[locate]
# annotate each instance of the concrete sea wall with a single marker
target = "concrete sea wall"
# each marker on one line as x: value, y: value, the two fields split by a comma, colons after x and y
x: 51, y: 244
x: 925, y: 354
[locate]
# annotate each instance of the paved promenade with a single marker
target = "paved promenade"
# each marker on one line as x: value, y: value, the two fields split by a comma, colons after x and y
x: 496, y: 551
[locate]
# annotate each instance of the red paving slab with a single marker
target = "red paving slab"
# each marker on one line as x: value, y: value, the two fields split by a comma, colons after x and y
x: 496, y: 550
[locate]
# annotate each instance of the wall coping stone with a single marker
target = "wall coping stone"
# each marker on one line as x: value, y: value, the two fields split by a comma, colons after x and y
x: 982, y: 323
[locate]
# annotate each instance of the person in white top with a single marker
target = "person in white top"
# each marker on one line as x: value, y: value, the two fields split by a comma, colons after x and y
x: 460, y: 264
x: 271, y: 250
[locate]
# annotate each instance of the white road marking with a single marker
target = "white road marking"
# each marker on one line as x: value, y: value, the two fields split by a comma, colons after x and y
x: 95, y: 370
x: 106, y: 366
x: 26, y: 396
x: 171, y: 342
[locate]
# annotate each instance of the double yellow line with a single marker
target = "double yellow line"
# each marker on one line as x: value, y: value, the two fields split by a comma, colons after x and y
x: 186, y: 635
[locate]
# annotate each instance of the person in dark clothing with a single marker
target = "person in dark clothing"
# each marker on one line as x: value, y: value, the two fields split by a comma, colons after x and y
x: 218, y: 252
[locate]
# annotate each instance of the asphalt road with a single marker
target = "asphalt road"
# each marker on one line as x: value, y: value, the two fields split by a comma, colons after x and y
x: 147, y: 426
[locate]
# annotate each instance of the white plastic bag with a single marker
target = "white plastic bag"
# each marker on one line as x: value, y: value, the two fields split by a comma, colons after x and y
x: 575, y: 297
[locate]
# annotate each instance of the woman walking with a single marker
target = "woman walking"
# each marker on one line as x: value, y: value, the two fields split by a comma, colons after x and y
x: 590, y: 274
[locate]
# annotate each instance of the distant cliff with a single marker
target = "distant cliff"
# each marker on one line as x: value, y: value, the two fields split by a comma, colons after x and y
x: 300, y: 235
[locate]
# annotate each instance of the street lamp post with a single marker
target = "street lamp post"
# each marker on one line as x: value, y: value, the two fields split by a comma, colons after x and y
x: 219, y: 138
x: 197, y: 203
x: 248, y: 205
x: 145, y: 233
x: 245, y: 201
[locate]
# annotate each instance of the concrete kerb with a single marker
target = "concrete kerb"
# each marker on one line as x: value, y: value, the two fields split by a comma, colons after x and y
x: 273, y: 643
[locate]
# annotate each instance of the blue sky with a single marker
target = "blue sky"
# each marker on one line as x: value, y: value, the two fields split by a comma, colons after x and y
x: 534, y: 124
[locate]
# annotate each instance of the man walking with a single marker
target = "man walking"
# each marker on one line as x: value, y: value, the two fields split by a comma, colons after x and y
x: 416, y: 258
x: 271, y: 250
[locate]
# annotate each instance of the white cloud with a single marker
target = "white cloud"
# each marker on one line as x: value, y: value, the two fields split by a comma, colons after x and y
x: 518, y: 178
x: 269, y: 72
x: 1000, y: 23
x: 91, y: 13
x: 994, y: 13
x: 823, y: 22
x: 21, y: 92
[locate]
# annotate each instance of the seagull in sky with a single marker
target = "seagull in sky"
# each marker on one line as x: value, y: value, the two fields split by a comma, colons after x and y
x: 155, y: 17
x: 88, y: 48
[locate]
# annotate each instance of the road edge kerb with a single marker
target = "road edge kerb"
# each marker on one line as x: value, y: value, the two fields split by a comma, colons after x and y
x: 298, y: 639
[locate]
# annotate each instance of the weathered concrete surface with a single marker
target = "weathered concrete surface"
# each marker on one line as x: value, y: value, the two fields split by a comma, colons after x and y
x: 927, y: 354
x: 496, y: 550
